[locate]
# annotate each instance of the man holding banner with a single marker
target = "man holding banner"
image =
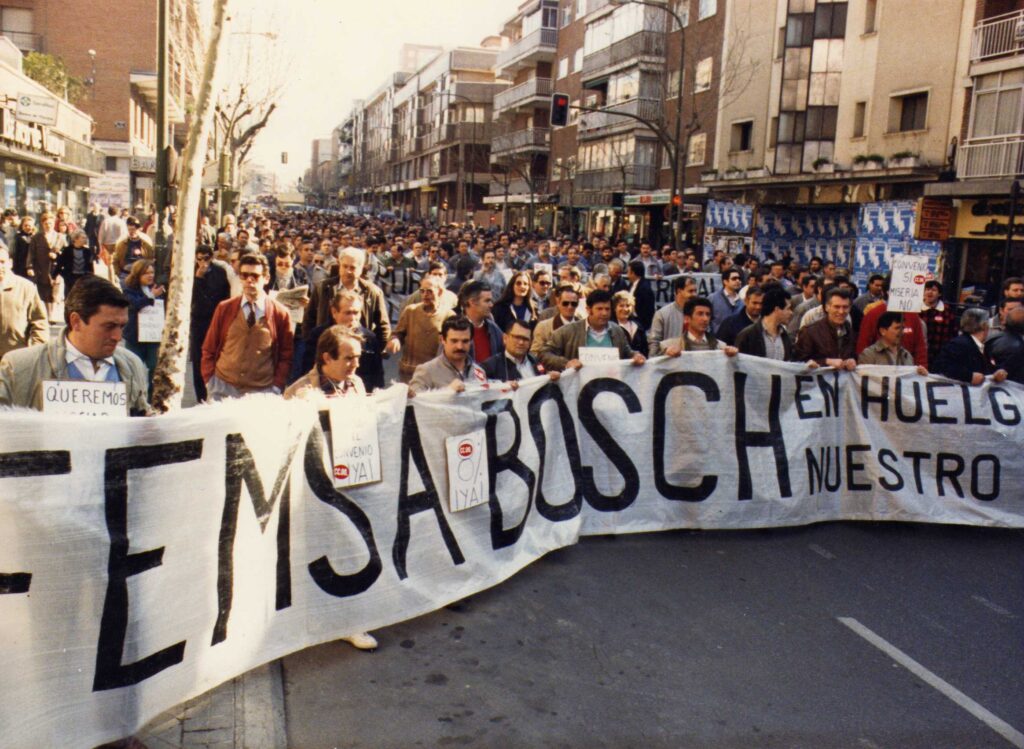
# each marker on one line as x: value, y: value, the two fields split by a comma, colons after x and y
x: 566, y: 347
x: 453, y: 368
x: 668, y: 321
x: 95, y: 314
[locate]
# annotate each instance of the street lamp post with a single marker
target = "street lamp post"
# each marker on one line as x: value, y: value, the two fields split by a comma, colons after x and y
x: 678, y: 174
x: 570, y: 170
x: 163, y: 257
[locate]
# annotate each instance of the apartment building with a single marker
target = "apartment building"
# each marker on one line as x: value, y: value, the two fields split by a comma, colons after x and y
x: 118, y: 61
x: 421, y: 141
x: 990, y: 152
x: 521, y: 143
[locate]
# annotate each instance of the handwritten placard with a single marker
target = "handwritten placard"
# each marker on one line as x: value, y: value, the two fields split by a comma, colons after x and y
x: 467, y: 470
x: 598, y: 354
x: 84, y: 398
x: 909, y: 274
x: 355, y: 444
x: 151, y: 322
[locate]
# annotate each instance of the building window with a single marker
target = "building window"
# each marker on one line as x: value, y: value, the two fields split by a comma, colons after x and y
x: 110, y: 164
x: 859, y: 115
x: 742, y: 136
x: 578, y: 59
x: 695, y: 149
x: 780, y: 43
x: 566, y: 16
x: 706, y: 9
x: 563, y: 67
x: 870, y: 16
x: 581, y: 8
x: 773, y: 133
x: 996, y: 108
x: 17, y: 25
x: 702, y: 81
x: 673, y: 84
x: 683, y: 11
x: 908, y: 112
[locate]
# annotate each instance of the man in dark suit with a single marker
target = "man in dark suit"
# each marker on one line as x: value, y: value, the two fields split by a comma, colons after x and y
x: 963, y: 358
x: 515, y: 362
x: 747, y: 315
x: 643, y: 294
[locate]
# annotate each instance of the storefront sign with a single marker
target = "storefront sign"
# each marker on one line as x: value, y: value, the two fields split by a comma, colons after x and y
x: 987, y: 219
x: 143, y: 164
x: 29, y: 135
x: 39, y: 109
x: 112, y: 189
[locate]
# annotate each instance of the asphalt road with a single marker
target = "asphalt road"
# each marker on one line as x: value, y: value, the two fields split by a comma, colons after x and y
x: 699, y: 639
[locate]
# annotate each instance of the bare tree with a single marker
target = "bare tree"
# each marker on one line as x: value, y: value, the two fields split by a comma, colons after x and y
x: 169, y: 375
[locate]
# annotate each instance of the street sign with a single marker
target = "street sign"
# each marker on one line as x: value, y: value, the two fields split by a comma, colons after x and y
x: 934, y: 220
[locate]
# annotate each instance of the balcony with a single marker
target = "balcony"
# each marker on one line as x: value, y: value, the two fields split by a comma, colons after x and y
x: 991, y: 158
x: 453, y: 132
x: 524, y: 93
x: 531, y: 139
x: 599, y: 124
x: 998, y: 36
x: 618, y: 179
x: 644, y: 45
x: 23, y: 40
x: 538, y: 46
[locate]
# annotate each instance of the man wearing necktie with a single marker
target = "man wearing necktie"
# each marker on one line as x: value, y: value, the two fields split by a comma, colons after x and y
x: 96, y: 312
x: 248, y: 348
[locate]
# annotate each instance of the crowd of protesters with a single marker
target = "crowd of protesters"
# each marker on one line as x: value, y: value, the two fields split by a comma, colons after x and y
x: 309, y: 305
x: 460, y: 306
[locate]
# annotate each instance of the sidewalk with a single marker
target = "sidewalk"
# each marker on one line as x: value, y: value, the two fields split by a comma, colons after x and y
x: 244, y: 713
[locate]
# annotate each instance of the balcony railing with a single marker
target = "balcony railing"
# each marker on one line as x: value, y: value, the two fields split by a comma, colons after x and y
x: 541, y: 40
x: 991, y: 158
x: 453, y: 132
x: 998, y: 36
x: 525, y: 91
x: 629, y: 177
x: 641, y: 44
x: 24, y: 40
x: 534, y: 138
x: 593, y: 124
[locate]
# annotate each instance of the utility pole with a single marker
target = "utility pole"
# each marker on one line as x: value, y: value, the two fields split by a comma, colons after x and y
x: 163, y: 258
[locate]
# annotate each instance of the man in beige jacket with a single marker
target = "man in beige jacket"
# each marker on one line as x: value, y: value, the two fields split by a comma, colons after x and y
x: 23, y: 320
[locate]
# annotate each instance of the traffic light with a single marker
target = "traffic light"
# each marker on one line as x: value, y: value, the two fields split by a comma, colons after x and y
x: 559, y: 110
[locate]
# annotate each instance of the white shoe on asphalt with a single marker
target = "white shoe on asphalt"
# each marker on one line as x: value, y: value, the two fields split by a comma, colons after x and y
x: 362, y: 641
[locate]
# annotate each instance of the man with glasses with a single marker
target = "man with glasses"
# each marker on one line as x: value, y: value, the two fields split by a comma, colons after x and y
x: 542, y: 290
x: 515, y: 363
x: 567, y: 311
x: 248, y: 348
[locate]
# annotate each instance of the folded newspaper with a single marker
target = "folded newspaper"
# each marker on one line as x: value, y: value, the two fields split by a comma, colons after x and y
x: 293, y: 298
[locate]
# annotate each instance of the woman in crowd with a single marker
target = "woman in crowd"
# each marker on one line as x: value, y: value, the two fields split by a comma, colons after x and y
x: 623, y: 307
x: 141, y: 293
x: 46, y: 246
x: 75, y: 260
x: 516, y: 302
x: 22, y: 246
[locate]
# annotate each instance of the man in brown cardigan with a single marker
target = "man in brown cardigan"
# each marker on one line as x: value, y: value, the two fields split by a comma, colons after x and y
x: 248, y: 348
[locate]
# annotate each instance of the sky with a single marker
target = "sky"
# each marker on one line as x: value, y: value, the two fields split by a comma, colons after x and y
x: 324, y: 54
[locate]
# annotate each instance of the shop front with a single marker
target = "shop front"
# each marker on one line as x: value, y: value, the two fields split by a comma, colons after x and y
x: 987, y: 251
x: 41, y: 167
x: 648, y: 218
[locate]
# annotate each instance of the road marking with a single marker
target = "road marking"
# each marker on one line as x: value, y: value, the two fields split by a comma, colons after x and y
x: 997, y: 724
x: 995, y: 607
x: 821, y: 552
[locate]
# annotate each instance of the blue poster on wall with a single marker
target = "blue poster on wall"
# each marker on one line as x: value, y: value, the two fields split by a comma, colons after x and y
x: 804, y: 233
x: 885, y: 229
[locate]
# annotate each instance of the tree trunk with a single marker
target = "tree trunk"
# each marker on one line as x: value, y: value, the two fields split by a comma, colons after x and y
x: 169, y: 375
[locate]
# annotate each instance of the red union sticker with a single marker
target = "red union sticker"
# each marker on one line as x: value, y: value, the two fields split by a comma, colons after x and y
x: 465, y: 449
x: 341, y: 472
x: 919, y: 279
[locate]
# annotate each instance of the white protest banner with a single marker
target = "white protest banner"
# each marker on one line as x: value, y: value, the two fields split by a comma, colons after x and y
x: 467, y: 470
x: 354, y: 444
x: 707, y: 284
x: 906, y: 291
x: 151, y: 322
x: 84, y: 398
x: 120, y: 541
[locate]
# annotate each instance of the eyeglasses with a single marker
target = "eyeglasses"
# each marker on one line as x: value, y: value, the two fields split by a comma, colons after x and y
x: 568, y: 304
x: 520, y: 338
x: 250, y: 276
x: 543, y: 283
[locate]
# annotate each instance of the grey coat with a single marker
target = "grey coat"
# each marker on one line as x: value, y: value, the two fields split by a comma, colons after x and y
x: 23, y: 371
x: 565, y: 343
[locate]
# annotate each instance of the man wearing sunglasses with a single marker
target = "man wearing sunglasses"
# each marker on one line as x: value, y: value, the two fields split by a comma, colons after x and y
x: 567, y: 302
x: 248, y: 348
